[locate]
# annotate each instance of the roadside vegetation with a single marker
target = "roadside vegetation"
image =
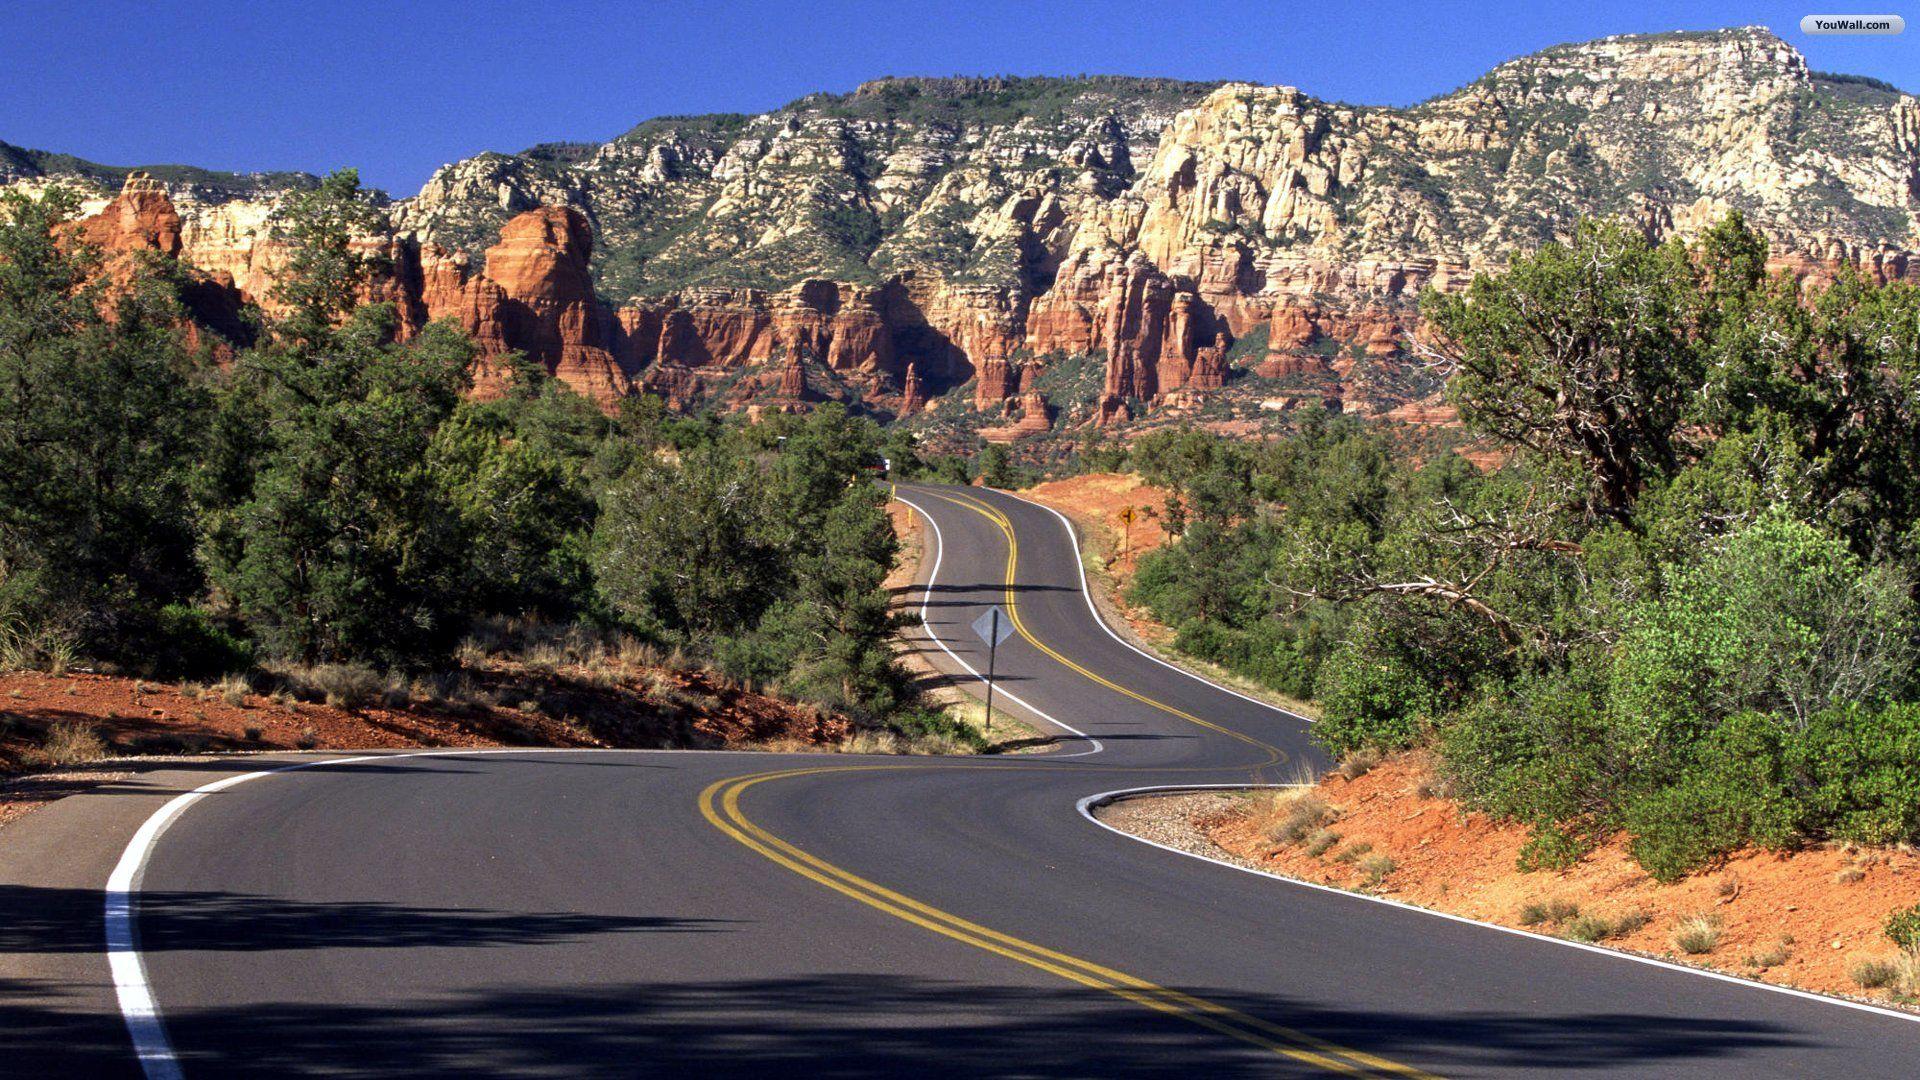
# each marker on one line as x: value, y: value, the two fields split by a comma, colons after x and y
x: 1681, y: 607
x: 324, y: 513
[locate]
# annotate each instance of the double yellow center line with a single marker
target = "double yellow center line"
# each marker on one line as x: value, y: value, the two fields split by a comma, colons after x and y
x: 1274, y: 753
x: 720, y: 805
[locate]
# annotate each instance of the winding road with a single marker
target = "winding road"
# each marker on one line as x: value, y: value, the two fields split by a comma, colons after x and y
x: 567, y: 913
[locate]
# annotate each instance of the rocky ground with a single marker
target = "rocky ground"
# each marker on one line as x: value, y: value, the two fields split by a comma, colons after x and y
x: 1808, y: 918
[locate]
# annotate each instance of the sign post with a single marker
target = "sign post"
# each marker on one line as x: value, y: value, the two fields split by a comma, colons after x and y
x: 1127, y: 514
x: 992, y: 627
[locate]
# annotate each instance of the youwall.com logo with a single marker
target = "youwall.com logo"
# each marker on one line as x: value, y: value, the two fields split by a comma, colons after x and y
x: 1852, y: 24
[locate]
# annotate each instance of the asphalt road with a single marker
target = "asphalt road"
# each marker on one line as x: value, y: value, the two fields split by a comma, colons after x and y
x: 757, y: 915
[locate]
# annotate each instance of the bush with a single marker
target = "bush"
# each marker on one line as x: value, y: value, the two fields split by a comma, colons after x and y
x: 71, y: 743
x: 1535, y: 912
x: 1368, y: 699
x: 1697, y: 935
x: 1735, y: 794
x: 1903, y: 927
x: 1864, y: 768
x: 1294, y: 815
x: 189, y: 644
x: 929, y: 723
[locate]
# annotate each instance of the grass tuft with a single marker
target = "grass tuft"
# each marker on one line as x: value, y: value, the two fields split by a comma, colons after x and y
x: 1375, y: 868
x: 1293, y: 815
x: 72, y: 743
x: 1554, y: 910
x: 1697, y: 935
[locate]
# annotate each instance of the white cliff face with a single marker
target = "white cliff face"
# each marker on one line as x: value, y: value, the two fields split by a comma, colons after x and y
x: 1147, y: 218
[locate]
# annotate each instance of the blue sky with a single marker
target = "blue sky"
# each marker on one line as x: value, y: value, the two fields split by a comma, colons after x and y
x: 399, y: 88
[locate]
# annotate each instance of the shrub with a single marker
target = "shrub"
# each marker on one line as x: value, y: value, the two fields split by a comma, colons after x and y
x: 71, y: 743
x: 1368, y: 699
x: 1903, y: 928
x: 1352, y: 852
x: 1697, y: 935
x: 921, y: 723
x: 1375, y: 868
x: 190, y: 643
x: 1873, y: 973
x: 1536, y: 750
x: 1535, y: 912
x: 1295, y: 815
x: 1735, y: 794
x: 1865, y: 768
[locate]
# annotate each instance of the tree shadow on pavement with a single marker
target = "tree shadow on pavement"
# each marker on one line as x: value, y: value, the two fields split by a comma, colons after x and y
x: 44, y: 920
x: 890, y: 1026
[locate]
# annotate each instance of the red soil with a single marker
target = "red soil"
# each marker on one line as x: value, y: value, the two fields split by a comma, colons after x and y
x: 1823, y: 907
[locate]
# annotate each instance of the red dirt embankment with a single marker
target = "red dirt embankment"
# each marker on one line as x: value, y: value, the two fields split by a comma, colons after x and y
x: 73, y: 728
x: 1802, y: 918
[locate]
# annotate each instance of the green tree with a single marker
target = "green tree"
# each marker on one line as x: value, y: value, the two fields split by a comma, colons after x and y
x: 101, y: 408
x: 996, y: 467
x: 840, y: 624
x: 1779, y: 618
x: 1588, y: 353
x: 683, y: 550
x: 326, y: 529
x: 523, y: 472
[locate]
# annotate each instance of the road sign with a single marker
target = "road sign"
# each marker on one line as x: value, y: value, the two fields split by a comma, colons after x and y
x: 993, y: 626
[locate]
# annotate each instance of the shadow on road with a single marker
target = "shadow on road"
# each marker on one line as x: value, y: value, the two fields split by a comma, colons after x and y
x: 882, y: 1026
x: 42, y: 920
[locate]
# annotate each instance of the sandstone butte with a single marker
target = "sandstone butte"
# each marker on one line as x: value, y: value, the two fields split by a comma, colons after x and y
x: 1189, y: 239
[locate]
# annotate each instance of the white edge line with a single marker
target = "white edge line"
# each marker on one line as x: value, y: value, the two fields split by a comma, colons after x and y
x: 128, y: 968
x: 1080, y: 562
x: 1087, y: 805
x: 926, y: 597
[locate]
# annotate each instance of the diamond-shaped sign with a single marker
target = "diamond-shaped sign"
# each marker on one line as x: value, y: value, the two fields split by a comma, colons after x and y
x: 993, y: 626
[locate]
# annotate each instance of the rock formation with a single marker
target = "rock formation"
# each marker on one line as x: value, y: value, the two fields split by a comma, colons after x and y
x: 921, y: 233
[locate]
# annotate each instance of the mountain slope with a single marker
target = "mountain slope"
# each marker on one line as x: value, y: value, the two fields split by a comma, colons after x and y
x: 1220, y: 250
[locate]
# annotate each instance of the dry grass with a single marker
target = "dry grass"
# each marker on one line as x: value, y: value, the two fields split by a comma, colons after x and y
x: 1359, y: 763
x: 25, y: 649
x: 233, y: 690
x: 1554, y: 910
x: 1772, y: 956
x: 1594, y: 928
x: 342, y: 686
x: 1352, y: 852
x: 1290, y: 816
x: 1697, y: 935
x: 1320, y: 841
x: 70, y: 743
x: 1375, y: 868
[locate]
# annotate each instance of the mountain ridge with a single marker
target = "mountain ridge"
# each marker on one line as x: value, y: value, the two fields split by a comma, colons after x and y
x: 980, y: 231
